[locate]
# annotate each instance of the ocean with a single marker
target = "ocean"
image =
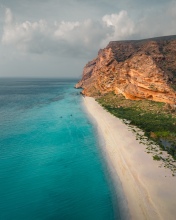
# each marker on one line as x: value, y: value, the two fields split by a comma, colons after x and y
x: 51, y: 165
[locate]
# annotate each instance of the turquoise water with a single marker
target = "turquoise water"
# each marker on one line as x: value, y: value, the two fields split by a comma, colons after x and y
x: 50, y: 163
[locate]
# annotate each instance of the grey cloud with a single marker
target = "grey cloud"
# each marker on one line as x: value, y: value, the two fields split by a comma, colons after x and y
x: 73, y: 38
x: 63, y: 38
x: 78, y: 10
x: 55, y: 32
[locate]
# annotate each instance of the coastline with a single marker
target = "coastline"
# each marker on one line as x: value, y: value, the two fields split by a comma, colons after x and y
x: 149, y: 190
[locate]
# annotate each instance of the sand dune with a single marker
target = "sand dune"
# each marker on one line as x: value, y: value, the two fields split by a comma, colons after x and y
x: 150, y: 190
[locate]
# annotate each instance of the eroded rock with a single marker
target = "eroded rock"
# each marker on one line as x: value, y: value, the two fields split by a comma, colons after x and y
x: 142, y: 69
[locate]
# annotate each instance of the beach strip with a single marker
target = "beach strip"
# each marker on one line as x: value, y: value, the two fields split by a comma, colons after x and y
x: 150, y: 190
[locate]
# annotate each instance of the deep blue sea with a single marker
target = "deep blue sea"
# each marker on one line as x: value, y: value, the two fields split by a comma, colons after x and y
x: 51, y: 165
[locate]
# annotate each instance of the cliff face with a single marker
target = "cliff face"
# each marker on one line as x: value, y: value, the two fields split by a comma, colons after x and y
x: 144, y: 69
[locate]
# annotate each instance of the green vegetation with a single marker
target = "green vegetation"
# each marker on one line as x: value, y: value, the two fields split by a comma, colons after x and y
x: 156, y: 157
x: 156, y: 119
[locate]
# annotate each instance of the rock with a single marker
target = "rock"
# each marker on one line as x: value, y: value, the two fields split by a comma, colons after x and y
x: 141, y: 69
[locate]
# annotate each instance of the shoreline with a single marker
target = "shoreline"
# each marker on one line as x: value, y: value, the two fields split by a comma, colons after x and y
x: 149, y: 190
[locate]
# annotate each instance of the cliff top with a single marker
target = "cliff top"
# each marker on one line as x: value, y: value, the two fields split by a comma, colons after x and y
x: 157, y: 39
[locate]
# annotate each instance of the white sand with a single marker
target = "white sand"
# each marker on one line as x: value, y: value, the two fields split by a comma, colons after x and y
x: 150, y: 191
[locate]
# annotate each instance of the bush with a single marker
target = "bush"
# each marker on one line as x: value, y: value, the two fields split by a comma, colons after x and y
x: 156, y: 157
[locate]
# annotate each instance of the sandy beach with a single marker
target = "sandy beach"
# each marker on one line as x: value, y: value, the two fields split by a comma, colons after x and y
x: 150, y: 190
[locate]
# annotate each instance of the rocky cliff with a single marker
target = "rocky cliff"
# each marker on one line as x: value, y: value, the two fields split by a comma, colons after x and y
x: 140, y: 69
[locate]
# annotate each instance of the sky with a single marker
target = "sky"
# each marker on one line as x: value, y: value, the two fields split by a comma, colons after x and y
x: 56, y: 38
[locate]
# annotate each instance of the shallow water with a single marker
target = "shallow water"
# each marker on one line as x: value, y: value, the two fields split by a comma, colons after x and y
x: 51, y: 166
